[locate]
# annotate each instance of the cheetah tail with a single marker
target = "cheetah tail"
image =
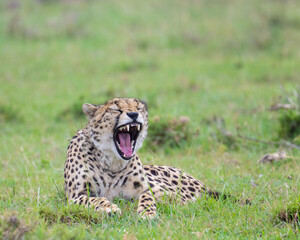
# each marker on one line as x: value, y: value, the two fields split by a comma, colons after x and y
x: 218, y: 195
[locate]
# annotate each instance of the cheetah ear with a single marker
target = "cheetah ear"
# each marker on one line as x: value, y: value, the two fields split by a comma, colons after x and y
x: 89, y: 110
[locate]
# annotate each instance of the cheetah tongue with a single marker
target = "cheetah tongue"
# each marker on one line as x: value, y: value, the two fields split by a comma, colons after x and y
x: 125, y: 144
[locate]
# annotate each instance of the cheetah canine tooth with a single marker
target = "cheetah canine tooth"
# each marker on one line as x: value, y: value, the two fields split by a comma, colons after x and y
x: 127, y: 127
x: 138, y: 127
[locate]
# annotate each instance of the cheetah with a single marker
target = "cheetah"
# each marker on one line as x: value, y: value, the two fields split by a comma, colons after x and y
x: 102, y: 163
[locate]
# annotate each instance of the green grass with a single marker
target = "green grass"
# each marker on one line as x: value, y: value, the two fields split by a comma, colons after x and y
x: 201, y: 59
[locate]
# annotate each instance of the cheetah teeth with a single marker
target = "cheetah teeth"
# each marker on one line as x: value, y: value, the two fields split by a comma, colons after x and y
x: 127, y: 127
x: 122, y: 128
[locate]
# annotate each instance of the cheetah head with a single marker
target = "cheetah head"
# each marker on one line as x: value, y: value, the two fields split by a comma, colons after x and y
x: 119, y: 125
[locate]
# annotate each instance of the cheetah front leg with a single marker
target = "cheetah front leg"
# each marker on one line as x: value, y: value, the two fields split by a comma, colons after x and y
x: 147, y: 205
x: 100, y: 204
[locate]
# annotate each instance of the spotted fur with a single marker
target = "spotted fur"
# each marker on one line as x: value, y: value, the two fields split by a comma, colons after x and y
x: 95, y: 171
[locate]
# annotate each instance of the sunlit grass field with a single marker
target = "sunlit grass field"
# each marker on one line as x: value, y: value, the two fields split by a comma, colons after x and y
x: 210, y: 61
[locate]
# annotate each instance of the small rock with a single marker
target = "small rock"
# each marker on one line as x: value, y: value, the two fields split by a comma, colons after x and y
x: 273, y: 157
x: 184, y: 119
x: 277, y: 106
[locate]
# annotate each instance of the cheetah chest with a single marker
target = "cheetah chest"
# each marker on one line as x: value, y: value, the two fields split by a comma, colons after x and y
x: 125, y: 186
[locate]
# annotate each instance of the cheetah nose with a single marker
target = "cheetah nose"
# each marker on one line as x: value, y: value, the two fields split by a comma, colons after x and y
x: 133, y: 115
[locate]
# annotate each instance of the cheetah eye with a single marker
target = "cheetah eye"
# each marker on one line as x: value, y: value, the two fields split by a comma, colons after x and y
x: 139, y: 109
x: 115, y: 110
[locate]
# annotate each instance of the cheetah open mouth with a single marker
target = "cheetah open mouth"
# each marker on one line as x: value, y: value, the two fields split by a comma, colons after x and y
x: 125, y: 138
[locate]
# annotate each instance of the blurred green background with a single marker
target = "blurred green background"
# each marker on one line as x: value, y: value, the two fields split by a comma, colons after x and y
x: 208, y: 62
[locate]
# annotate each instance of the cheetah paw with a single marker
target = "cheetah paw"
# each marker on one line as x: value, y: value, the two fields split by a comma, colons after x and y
x: 147, y: 215
x: 113, y: 209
